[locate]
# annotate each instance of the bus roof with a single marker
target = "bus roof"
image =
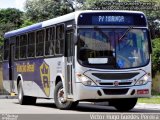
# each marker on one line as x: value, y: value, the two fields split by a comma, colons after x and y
x: 40, y: 25
x: 23, y: 30
x: 60, y: 19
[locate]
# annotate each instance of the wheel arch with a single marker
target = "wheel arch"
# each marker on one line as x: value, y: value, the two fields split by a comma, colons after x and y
x: 19, y: 78
x: 59, y: 78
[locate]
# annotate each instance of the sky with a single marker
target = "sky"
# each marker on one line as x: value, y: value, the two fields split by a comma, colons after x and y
x: 19, y: 4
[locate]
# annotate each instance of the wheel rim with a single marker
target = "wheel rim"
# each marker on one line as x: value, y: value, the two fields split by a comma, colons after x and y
x: 61, y: 99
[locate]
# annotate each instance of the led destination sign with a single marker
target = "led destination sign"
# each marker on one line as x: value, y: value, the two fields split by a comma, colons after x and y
x: 112, y: 20
x: 108, y: 18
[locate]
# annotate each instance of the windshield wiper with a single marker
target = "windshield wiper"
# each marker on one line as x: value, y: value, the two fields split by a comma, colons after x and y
x: 130, y: 27
x: 126, y: 32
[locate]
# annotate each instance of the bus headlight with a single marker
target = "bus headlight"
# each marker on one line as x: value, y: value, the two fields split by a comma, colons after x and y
x: 142, y: 80
x: 85, y: 80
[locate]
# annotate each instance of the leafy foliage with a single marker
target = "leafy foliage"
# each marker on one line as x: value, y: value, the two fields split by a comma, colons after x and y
x: 156, y: 55
x: 26, y: 22
x: 4, y: 28
x: 11, y: 15
x: 10, y: 19
x: 40, y: 10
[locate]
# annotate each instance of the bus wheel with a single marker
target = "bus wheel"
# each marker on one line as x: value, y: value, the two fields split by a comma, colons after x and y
x: 59, y: 98
x: 125, y: 104
x: 24, y: 100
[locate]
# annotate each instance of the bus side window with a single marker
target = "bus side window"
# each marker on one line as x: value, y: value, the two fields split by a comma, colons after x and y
x: 23, y: 46
x: 49, y: 41
x: 60, y: 39
x: 17, y: 48
x: 31, y: 44
x: 40, y: 43
x: 6, y: 49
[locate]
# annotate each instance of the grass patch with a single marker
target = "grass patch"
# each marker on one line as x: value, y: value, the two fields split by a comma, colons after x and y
x: 153, y: 100
x: 155, y: 93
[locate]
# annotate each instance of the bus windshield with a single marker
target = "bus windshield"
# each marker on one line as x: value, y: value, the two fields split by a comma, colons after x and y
x: 113, y: 48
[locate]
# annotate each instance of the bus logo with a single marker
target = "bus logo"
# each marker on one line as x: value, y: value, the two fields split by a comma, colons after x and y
x: 116, y: 83
x: 45, y: 77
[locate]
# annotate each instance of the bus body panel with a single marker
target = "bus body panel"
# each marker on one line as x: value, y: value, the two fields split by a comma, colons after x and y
x: 38, y: 76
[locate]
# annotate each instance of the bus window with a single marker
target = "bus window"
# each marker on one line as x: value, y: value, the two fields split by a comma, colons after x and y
x: 23, y: 46
x: 31, y: 44
x: 59, y: 39
x: 49, y: 41
x: 40, y: 43
x: 6, y: 49
x: 17, y: 48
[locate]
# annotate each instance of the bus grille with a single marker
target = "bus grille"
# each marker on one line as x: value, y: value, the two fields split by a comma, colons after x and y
x: 114, y: 76
x: 122, y: 83
x: 115, y: 91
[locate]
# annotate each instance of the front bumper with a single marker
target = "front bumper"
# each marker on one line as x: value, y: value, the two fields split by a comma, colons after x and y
x: 95, y: 93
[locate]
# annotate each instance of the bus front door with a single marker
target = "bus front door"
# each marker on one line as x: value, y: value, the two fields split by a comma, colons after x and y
x: 69, y: 65
x: 11, y: 68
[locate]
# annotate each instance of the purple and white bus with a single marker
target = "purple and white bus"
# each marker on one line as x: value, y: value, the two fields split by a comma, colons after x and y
x: 82, y: 56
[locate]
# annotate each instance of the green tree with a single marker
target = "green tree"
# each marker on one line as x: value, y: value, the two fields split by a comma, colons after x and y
x: 11, y: 15
x: 10, y: 19
x: 156, y: 55
x: 40, y: 10
x: 26, y: 22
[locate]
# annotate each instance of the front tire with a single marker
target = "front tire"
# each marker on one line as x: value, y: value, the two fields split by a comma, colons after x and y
x: 59, y: 98
x: 24, y: 100
x: 125, y: 104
